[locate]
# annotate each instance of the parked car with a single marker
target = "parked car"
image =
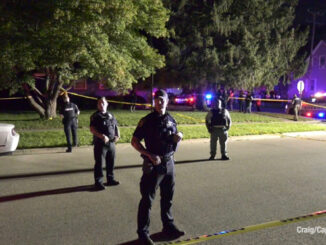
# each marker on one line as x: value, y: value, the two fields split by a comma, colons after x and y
x: 184, y: 99
x: 9, y: 138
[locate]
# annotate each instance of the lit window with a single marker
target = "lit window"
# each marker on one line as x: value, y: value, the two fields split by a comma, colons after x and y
x: 80, y: 84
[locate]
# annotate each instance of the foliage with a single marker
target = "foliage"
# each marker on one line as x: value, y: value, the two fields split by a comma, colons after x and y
x: 68, y: 40
x: 242, y: 44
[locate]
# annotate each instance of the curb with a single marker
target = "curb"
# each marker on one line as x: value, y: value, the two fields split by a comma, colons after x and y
x: 233, y: 138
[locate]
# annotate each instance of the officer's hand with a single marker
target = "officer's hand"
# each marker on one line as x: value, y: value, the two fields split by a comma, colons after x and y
x: 116, y: 139
x: 156, y: 160
x: 177, y: 137
x: 106, y: 139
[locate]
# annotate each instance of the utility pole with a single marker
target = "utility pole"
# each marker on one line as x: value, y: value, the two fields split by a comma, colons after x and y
x: 314, y: 14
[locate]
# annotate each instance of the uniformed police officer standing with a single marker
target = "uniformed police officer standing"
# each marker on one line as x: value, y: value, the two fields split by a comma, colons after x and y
x: 104, y: 128
x: 248, y: 103
x: 296, y: 103
x: 218, y: 122
x: 69, y: 113
x: 159, y: 131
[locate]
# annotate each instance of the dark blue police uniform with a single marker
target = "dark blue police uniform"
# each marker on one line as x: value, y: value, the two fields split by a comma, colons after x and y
x: 157, y: 132
x: 70, y: 112
x: 104, y: 123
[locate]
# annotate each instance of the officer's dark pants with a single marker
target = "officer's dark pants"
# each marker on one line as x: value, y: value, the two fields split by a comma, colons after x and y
x: 241, y: 106
x: 104, y: 153
x: 221, y: 135
x: 148, y: 186
x: 296, y: 112
x: 71, y: 125
x: 248, y: 108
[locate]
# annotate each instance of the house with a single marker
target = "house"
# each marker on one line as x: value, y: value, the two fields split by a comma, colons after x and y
x: 315, y: 78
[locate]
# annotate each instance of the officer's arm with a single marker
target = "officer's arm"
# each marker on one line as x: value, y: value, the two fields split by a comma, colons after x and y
x: 208, y: 120
x: 77, y: 110
x: 135, y: 142
x: 116, y: 134
x: 98, y: 135
x: 229, y: 120
x: 117, y: 131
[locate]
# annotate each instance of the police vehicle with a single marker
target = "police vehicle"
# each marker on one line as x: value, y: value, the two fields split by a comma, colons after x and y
x: 315, y: 107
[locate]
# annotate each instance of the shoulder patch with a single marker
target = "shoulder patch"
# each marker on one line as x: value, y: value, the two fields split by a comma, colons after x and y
x: 170, y: 123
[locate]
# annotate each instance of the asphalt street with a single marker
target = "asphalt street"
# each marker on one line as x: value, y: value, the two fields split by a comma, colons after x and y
x: 46, y: 196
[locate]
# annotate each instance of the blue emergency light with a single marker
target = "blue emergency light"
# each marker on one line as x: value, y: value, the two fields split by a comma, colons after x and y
x: 208, y: 96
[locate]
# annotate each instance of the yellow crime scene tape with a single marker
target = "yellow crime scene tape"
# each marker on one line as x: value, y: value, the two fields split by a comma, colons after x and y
x: 319, y: 106
x: 275, y: 223
x: 149, y: 105
x: 15, y: 98
x: 111, y: 101
x: 273, y: 100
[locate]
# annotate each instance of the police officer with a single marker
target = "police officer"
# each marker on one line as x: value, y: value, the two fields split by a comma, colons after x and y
x: 218, y: 122
x: 241, y: 101
x: 296, y: 103
x: 248, y: 103
x: 104, y: 128
x: 69, y: 112
x: 159, y: 131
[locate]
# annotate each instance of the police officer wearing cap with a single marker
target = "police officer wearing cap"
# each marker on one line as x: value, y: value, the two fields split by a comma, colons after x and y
x: 104, y: 128
x: 218, y: 122
x: 69, y: 112
x: 159, y: 131
x: 296, y: 103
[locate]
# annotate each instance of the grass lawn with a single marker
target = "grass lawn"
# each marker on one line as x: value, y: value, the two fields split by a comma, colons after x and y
x: 35, y: 132
x: 32, y: 121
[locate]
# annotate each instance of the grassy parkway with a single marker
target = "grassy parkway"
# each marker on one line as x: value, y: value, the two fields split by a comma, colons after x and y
x: 46, y: 195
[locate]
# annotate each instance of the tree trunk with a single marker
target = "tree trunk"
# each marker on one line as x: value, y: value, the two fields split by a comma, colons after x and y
x: 51, y: 108
x: 45, y: 104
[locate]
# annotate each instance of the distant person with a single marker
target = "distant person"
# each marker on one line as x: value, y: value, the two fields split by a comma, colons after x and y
x: 159, y: 131
x: 69, y: 113
x: 230, y: 99
x: 258, y: 103
x: 224, y: 98
x: 133, y: 100
x: 241, y: 102
x: 104, y: 128
x: 296, y: 104
x: 218, y: 122
x: 248, y: 103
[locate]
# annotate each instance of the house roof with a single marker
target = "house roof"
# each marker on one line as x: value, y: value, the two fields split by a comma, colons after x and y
x: 321, y: 42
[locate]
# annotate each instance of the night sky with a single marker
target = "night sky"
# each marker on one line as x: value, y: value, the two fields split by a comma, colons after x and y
x: 304, y: 18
